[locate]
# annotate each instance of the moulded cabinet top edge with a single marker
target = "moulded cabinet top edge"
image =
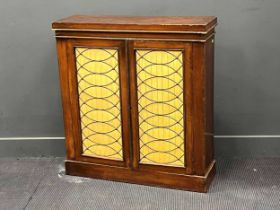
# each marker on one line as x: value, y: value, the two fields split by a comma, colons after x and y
x: 156, y: 24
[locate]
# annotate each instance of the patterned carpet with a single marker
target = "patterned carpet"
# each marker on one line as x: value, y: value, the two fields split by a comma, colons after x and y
x: 41, y: 184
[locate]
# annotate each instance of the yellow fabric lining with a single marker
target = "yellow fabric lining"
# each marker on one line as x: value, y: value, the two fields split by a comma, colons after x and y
x: 99, y: 99
x: 160, y: 106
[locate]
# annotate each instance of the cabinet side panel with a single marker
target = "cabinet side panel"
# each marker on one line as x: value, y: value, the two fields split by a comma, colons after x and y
x: 99, y: 102
x: 203, y: 60
x: 209, y: 90
x: 65, y: 94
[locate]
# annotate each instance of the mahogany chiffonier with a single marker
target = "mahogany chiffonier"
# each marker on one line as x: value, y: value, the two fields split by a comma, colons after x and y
x: 137, y: 97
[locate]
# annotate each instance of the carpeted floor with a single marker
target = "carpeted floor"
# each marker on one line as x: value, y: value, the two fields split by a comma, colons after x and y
x: 41, y: 184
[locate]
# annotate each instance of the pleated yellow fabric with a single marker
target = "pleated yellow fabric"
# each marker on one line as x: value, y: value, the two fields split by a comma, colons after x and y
x: 160, y: 106
x: 99, y: 99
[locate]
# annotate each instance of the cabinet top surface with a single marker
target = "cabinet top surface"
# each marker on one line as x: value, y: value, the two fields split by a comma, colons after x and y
x: 137, y: 23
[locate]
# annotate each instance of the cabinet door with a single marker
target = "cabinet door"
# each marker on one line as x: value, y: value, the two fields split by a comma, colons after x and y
x: 99, y: 101
x: 161, y: 105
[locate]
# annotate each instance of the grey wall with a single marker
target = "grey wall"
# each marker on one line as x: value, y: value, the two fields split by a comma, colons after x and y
x: 247, y: 73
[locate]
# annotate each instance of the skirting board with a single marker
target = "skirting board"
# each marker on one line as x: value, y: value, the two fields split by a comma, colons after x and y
x: 32, y: 147
x: 225, y: 146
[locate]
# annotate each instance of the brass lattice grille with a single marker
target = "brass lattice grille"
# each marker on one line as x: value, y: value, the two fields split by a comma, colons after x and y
x: 99, y: 99
x: 160, y: 106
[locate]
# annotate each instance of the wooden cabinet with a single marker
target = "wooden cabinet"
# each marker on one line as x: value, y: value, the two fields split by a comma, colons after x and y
x: 138, y: 98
